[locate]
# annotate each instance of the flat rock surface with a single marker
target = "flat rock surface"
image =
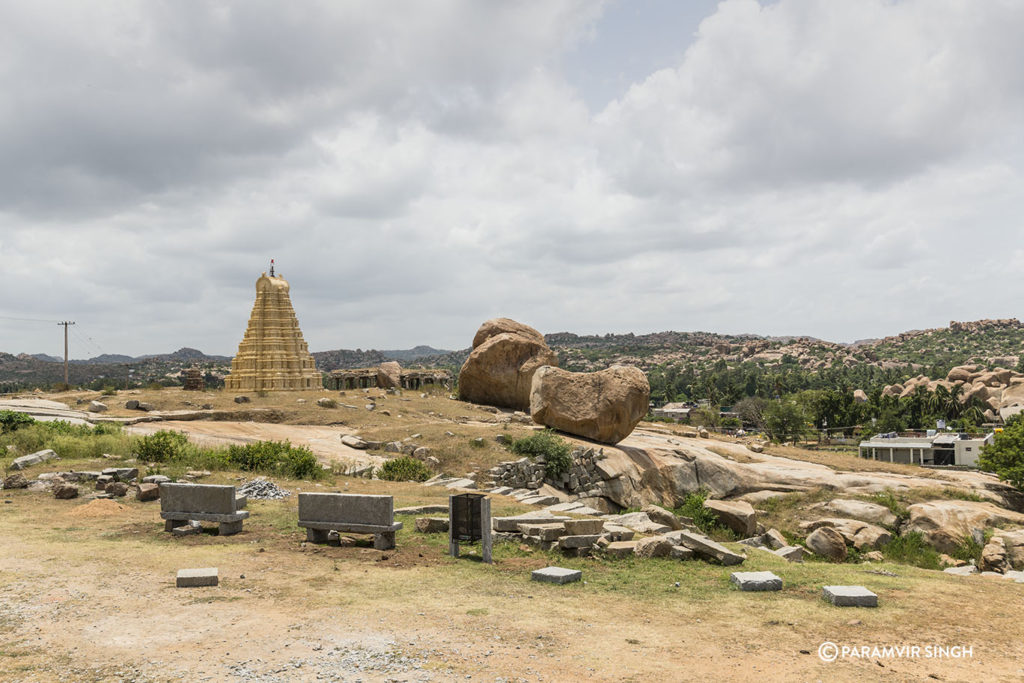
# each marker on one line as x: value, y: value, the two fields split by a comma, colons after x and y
x: 190, y: 578
x: 756, y: 581
x: 850, y: 596
x: 556, y: 575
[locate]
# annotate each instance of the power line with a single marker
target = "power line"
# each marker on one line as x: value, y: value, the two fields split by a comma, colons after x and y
x: 30, y: 320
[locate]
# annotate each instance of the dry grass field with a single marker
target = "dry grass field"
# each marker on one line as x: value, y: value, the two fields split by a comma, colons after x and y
x: 87, y: 594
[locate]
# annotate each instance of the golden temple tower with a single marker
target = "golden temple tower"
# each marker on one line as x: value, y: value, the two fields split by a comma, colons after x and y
x: 273, y: 355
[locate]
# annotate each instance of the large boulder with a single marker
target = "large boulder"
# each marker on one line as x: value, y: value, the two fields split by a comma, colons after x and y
x: 603, y: 406
x: 993, y: 556
x: 500, y: 368
x: 738, y: 515
x: 1013, y: 542
x: 963, y: 373
x: 389, y: 375
x: 946, y: 523
x: 496, y: 326
x: 660, y: 515
x: 828, y: 543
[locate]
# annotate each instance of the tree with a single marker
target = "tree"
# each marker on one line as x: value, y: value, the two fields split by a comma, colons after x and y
x: 784, y: 420
x: 1005, y: 455
x: 751, y: 411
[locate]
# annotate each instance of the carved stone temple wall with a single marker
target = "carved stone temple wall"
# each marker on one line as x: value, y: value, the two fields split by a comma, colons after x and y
x: 273, y: 355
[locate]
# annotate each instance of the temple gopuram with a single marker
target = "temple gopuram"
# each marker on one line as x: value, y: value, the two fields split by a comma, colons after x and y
x: 273, y: 355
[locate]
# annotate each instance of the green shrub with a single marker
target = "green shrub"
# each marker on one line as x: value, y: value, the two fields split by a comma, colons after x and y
x: 703, y: 518
x: 555, y: 450
x: 109, y: 391
x: 889, y: 500
x: 911, y: 548
x: 968, y: 549
x: 404, y: 469
x: 163, y: 446
x: 275, y: 457
x: 10, y: 420
x: 68, y: 440
x: 961, y: 494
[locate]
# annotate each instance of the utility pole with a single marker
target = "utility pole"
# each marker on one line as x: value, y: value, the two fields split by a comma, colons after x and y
x: 65, y: 324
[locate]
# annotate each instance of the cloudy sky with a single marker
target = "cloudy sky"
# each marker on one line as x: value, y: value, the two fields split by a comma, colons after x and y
x: 838, y: 169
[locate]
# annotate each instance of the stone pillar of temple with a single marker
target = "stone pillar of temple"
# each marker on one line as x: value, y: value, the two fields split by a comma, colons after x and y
x: 272, y: 355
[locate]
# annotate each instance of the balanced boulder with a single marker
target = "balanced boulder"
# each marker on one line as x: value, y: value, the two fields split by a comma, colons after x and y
x: 389, y: 375
x: 828, y: 543
x: 603, y: 406
x: 500, y: 368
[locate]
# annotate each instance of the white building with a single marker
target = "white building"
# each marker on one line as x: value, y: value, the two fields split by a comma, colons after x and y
x: 939, y: 450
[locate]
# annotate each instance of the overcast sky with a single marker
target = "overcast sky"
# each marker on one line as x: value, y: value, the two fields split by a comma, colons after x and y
x: 838, y: 169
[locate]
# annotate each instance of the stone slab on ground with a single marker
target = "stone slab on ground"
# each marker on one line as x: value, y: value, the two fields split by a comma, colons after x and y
x: 705, y: 547
x: 187, y: 530
x: 849, y: 596
x: 756, y: 581
x: 538, y: 500
x: 564, y: 507
x: 618, y: 533
x: 191, y: 578
x: 33, y: 459
x: 621, y: 548
x: 545, y: 532
x: 460, y: 484
x: 793, y: 553
x: 680, y: 552
x: 501, y: 490
x: 579, y: 541
x: 511, y: 524
x: 557, y: 575
x: 423, y: 510
x: 965, y: 570
x: 576, y: 527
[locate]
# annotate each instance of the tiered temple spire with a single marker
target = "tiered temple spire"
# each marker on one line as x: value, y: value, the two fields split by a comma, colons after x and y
x: 273, y: 355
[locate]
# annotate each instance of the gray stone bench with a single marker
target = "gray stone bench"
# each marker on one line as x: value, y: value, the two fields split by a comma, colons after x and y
x: 203, y: 503
x: 320, y: 513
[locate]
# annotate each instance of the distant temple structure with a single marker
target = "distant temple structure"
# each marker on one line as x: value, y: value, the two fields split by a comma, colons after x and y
x: 273, y: 355
x: 192, y: 379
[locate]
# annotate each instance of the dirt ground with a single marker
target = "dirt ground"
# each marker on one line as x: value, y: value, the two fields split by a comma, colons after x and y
x: 87, y: 593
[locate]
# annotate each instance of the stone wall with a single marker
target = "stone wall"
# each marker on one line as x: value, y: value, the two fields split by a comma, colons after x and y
x: 583, y: 477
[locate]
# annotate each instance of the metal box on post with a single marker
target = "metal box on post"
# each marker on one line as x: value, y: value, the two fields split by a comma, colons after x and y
x: 469, y: 521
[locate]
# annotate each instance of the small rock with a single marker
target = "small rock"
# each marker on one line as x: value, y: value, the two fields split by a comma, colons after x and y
x: 65, y: 491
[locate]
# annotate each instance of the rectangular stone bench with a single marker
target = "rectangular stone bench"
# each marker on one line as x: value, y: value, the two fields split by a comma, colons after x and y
x: 320, y: 513
x: 203, y: 503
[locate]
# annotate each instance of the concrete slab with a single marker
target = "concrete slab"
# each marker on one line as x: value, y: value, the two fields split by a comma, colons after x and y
x: 557, y: 575
x: 349, y: 508
x: 756, y: 581
x: 423, y: 510
x: 511, y: 524
x: 849, y: 596
x: 191, y: 578
x: 203, y: 498
x: 620, y: 548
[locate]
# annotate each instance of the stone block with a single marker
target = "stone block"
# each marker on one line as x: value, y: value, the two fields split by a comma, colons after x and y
x: 147, y: 492
x: 557, y: 575
x: 679, y: 552
x: 544, y: 532
x: 756, y: 581
x: 102, y: 481
x: 122, y: 473
x: 65, y: 491
x: 118, y: 489
x: 33, y: 459
x: 614, y: 532
x: 793, y: 553
x: 705, y: 547
x: 156, y: 479
x: 197, y: 498
x: 849, y: 596
x: 578, y: 527
x: 621, y: 548
x: 185, y: 529
x: 539, y: 500
x: 432, y: 525
x: 511, y: 524
x: 191, y: 578
x: 579, y: 541
x: 349, y: 508
x: 423, y: 510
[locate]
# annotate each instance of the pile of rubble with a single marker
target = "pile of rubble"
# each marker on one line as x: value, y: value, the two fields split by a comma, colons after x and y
x: 582, y: 477
x: 261, y: 489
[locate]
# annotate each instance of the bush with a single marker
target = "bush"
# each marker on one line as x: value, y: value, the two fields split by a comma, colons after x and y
x: 704, y: 519
x: 911, y: 548
x: 163, y: 446
x: 1005, y: 455
x: 109, y: 391
x: 11, y: 420
x: 404, y: 469
x: 555, y: 450
x: 69, y: 441
x: 275, y: 457
x: 969, y: 550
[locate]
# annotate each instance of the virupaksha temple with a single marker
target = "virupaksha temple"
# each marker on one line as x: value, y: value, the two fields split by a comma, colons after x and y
x: 273, y: 356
